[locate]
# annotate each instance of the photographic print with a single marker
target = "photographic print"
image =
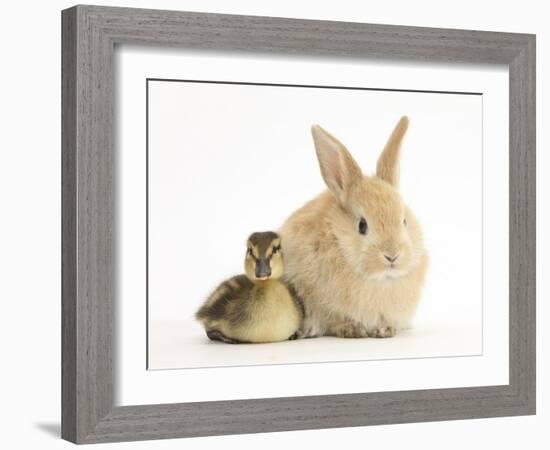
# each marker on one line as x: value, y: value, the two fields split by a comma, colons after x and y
x: 276, y: 224
x: 305, y: 223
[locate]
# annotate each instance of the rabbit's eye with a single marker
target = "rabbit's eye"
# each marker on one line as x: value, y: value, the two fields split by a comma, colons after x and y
x: 405, y: 222
x: 363, y: 227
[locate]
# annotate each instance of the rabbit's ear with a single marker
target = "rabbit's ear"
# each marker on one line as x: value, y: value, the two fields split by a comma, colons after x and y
x: 387, y: 167
x: 339, y: 169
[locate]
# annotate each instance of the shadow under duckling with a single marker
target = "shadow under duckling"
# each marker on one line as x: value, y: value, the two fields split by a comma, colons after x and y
x: 257, y: 307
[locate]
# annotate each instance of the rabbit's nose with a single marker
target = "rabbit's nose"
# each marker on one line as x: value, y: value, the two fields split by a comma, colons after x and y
x: 392, y: 259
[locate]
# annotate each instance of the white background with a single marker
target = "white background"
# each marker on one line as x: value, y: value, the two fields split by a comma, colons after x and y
x: 31, y: 224
x: 223, y: 165
x: 226, y: 160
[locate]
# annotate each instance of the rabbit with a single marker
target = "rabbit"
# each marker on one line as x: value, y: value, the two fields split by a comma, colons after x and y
x: 355, y: 254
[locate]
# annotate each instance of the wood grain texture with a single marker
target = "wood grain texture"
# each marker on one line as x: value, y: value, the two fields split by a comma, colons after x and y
x: 89, y: 36
x: 68, y: 226
x: 88, y: 210
x: 522, y: 223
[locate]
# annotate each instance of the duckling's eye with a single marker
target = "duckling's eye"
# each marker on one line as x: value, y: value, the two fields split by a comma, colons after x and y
x: 250, y: 252
x: 363, y: 227
x: 275, y: 249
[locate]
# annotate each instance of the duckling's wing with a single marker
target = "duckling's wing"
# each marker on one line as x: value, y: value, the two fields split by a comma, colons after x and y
x: 238, y: 285
x: 238, y: 311
x: 224, y: 297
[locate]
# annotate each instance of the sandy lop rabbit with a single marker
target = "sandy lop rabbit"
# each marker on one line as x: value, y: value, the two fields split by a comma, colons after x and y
x: 355, y: 253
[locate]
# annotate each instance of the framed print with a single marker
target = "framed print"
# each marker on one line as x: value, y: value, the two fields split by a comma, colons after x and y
x: 278, y: 224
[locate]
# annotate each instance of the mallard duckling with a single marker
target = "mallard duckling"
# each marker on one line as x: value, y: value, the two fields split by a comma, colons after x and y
x: 256, y: 307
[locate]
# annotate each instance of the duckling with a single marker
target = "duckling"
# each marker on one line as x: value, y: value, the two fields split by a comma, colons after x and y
x: 257, y: 306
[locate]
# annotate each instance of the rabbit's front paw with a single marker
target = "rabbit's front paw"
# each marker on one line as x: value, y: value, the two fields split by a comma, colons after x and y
x: 309, y: 329
x: 382, y: 332
x: 348, y: 330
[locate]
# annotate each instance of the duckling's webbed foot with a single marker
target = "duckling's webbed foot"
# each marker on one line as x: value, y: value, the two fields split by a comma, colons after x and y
x: 294, y: 336
x: 216, y: 335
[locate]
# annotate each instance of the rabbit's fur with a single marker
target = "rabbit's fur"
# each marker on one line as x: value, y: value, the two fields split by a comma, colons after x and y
x: 350, y: 289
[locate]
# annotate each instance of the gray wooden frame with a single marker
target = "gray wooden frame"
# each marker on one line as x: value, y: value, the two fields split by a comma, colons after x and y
x: 89, y: 36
